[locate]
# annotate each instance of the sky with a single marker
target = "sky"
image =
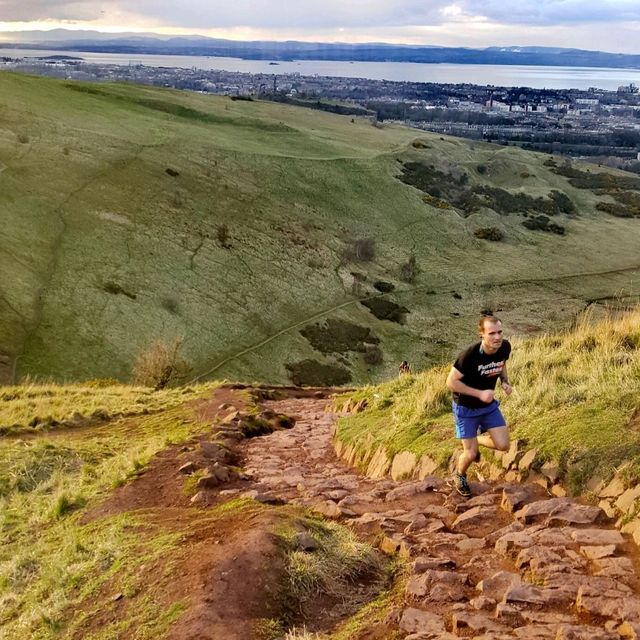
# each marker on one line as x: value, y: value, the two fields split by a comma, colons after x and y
x: 605, y: 25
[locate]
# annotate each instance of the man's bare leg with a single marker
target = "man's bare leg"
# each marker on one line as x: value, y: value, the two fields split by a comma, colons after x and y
x: 496, y: 438
x: 468, y: 455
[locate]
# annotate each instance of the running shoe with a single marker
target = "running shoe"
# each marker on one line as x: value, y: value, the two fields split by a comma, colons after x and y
x: 461, y: 485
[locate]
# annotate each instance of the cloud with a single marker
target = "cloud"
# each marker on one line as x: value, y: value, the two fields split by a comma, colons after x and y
x: 207, y: 14
x: 592, y: 24
x: 553, y: 12
x: 35, y: 10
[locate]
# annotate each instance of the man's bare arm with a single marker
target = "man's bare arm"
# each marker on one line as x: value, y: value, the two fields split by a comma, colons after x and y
x: 504, y: 378
x: 454, y: 382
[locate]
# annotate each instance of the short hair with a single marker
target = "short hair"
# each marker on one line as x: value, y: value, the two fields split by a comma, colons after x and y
x: 487, y: 318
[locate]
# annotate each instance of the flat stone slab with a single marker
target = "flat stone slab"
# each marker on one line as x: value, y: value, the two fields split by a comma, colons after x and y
x: 596, y: 552
x: 614, y: 567
x: 609, y: 598
x: 537, y: 556
x: 585, y: 632
x: 475, y: 517
x: 408, y: 490
x: 497, y: 585
x: 514, y: 527
x: 543, y: 617
x: 575, y: 514
x: 420, y: 585
x: 556, y: 537
x: 559, y: 511
x: 417, y: 620
x: 485, y: 500
x: 423, y: 563
x: 537, y: 632
x: 525, y: 593
x: 439, y: 512
x: 515, y: 540
x: 515, y: 496
x: 476, y: 622
x: 597, y: 536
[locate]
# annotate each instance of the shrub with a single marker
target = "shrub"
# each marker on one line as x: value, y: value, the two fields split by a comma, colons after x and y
x: 563, y: 202
x: 386, y: 310
x: 314, y: 373
x: 170, y: 304
x: 361, y: 250
x: 481, y: 169
x: 409, y: 270
x: 383, y: 287
x: 542, y: 223
x: 373, y: 355
x: 489, y: 233
x: 160, y: 365
x: 222, y: 235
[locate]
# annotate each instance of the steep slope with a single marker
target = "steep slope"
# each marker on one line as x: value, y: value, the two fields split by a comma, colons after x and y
x: 575, y: 408
x: 132, y: 213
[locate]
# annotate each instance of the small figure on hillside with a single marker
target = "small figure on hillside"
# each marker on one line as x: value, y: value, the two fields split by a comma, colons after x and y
x: 476, y: 412
x: 404, y: 368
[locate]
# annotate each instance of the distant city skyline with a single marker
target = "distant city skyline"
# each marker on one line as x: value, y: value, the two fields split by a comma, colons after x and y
x: 604, y: 25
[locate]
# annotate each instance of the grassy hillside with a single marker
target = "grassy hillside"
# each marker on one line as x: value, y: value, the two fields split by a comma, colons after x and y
x: 576, y: 401
x: 133, y: 213
x: 99, y: 539
x: 50, y: 563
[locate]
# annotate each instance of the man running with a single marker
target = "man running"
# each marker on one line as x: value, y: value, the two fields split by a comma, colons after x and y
x: 473, y: 380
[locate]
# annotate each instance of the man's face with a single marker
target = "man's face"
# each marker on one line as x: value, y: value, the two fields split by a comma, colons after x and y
x: 491, y: 335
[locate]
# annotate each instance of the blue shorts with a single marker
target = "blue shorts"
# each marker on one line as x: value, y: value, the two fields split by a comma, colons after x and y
x: 471, y: 421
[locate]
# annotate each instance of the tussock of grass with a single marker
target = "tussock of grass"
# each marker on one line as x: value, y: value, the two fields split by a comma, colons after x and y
x: 339, y: 560
x: 575, y: 395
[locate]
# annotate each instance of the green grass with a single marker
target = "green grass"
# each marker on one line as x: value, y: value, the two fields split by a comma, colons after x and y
x: 575, y: 401
x: 51, y: 564
x: 36, y: 408
x: 105, y: 252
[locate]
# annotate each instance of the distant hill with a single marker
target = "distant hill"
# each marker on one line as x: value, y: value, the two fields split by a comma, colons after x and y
x: 278, y: 242
x: 146, y: 43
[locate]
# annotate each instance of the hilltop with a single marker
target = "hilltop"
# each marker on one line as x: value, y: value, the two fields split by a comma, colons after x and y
x: 280, y: 243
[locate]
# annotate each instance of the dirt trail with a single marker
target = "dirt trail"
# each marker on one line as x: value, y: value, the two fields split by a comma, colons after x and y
x: 511, y: 562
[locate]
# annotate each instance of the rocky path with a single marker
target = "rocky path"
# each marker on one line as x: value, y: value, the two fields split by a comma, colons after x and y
x: 511, y: 562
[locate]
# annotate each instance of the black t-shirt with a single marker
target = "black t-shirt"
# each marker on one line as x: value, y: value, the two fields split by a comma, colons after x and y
x: 480, y: 371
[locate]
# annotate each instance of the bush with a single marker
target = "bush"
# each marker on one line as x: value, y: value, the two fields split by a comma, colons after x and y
x: 160, y: 366
x: 563, y: 202
x: 489, y: 233
x: 481, y: 169
x: 542, y: 223
x: 361, y: 250
x: 170, y: 304
x: 409, y: 270
x: 222, y: 235
x: 373, y: 355
x: 383, y: 287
